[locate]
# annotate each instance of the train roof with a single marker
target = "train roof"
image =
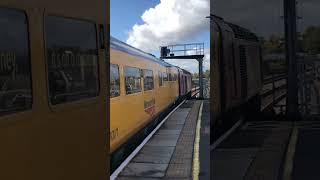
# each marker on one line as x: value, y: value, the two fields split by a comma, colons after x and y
x: 186, y: 72
x: 183, y: 70
x: 121, y: 46
x: 239, y: 32
x: 242, y: 33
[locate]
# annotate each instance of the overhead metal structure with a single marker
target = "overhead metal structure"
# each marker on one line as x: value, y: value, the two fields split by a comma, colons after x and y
x: 186, y: 51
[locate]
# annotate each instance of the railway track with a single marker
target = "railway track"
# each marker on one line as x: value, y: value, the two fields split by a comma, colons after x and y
x: 274, y: 90
x: 269, y: 79
x: 206, y: 91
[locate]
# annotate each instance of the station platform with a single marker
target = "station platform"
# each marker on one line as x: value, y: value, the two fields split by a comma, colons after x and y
x: 303, y: 155
x: 270, y: 150
x: 173, y: 152
x: 255, y: 150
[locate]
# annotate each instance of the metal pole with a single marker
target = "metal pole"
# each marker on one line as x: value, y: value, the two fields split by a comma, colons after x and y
x: 291, y: 35
x: 200, y: 78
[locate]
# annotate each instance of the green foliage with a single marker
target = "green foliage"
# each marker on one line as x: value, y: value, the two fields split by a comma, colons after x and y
x: 195, y: 75
x: 273, y: 45
x: 207, y: 74
x: 311, y: 40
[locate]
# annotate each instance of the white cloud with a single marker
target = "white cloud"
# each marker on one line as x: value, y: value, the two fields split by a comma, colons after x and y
x: 206, y: 62
x: 170, y: 22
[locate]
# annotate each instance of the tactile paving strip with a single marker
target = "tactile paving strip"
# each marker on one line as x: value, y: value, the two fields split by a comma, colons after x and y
x: 169, y: 153
x: 181, y: 162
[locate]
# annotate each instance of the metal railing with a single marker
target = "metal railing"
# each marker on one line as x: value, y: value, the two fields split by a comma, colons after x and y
x: 183, y: 50
x: 277, y: 91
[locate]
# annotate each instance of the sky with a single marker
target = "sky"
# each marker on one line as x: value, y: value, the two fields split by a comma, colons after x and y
x: 264, y: 16
x: 149, y: 24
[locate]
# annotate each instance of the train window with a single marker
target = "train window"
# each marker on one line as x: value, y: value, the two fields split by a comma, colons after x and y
x: 114, y: 80
x: 165, y: 76
x: 174, y: 77
x: 148, y: 80
x: 72, y: 59
x: 160, y: 79
x: 169, y: 77
x: 133, y: 80
x: 15, y: 74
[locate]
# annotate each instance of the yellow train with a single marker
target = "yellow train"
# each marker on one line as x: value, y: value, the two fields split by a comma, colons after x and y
x: 53, y: 101
x: 142, y: 88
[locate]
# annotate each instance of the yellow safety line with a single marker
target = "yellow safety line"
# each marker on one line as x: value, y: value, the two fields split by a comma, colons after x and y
x: 196, y: 161
x: 288, y: 167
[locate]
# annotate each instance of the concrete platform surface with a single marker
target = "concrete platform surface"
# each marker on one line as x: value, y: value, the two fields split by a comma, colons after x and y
x: 169, y: 153
x: 254, y: 151
x: 307, y: 157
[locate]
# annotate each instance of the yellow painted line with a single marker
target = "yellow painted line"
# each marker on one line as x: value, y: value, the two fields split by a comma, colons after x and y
x: 288, y: 167
x: 196, y: 147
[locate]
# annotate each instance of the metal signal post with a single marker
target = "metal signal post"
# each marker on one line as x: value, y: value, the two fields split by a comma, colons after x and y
x: 291, y: 44
x: 186, y: 51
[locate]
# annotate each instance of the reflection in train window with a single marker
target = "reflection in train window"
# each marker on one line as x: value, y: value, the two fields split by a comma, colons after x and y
x: 148, y: 80
x: 72, y: 59
x: 114, y: 80
x: 15, y: 75
x: 174, y: 77
x: 169, y: 77
x: 160, y: 79
x: 165, y: 76
x: 133, y: 80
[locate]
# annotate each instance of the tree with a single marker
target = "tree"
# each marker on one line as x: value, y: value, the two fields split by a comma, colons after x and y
x: 311, y: 40
x: 195, y: 75
x: 207, y: 74
x: 273, y: 45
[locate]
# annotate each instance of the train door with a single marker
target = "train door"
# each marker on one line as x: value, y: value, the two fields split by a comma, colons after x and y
x: 74, y: 130
x: 185, y: 84
x: 180, y: 82
x: 53, y: 122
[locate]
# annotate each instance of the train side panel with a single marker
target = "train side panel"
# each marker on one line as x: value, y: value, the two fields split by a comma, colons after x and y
x: 236, y: 67
x: 53, y: 140
x: 228, y: 69
x: 189, y: 86
x: 216, y: 94
x: 173, y: 83
x: 181, y: 82
x: 254, y: 73
x: 130, y: 113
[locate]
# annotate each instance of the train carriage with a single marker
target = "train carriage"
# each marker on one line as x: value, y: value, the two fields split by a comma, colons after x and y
x: 142, y: 89
x: 237, y: 78
x: 184, y: 82
x: 53, y: 103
